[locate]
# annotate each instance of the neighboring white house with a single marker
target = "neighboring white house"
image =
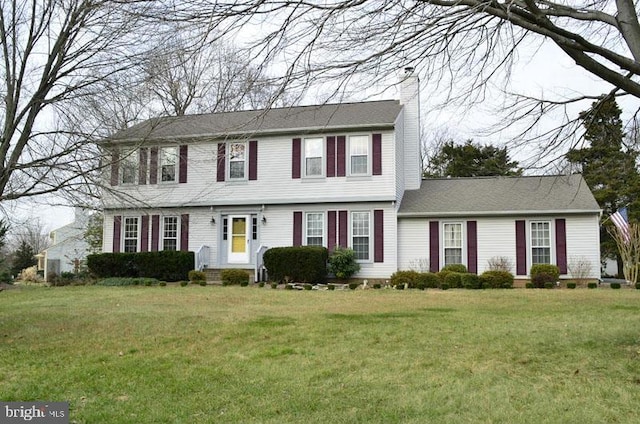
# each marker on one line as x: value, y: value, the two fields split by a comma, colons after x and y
x: 227, y: 186
x: 68, y: 248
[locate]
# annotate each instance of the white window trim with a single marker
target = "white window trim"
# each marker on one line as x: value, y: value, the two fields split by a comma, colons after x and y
x: 178, y: 229
x: 323, y: 158
x: 177, y: 165
x: 324, y: 227
x: 245, y: 176
x: 552, y: 241
x: 465, y: 259
x: 124, y: 231
x: 132, y: 155
x: 370, y: 236
x: 369, y: 155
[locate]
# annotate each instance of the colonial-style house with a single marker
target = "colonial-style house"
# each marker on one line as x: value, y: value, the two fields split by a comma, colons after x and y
x: 228, y: 186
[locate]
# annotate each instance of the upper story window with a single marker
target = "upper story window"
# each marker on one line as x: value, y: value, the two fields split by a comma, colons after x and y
x: 313, y: 149
x: 168, y: 163
x: 315, y: 229
x: 359, y: 155
x: 540, y: 242
x: 130, y: 236
x: 129, y: 167
x: 237, y: 161
x: 452, y: 235
x: 170, y: 233
x: 360, y: 234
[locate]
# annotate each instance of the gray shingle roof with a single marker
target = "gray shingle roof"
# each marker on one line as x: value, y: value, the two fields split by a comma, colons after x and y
x: 499, y: 196
x: 299, y: 119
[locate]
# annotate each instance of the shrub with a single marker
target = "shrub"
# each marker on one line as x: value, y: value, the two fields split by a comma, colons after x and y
x: 274, y: 285
x: 500, y: 263
x: 496, y: 280
x: 399, y: 287
x: 471, y: 281
x: 162, y: 284
x: 529, y: 285
x: 353, y: 286
x: 442, y: 275
x: 164, y: 265
x: 549, y: 285
x: 308, y: 286
x: 288, y: 286
x: 197, y: 276
x: 429, y: 279
x: 637, y: 286
x: 543, y: 273
x: 183, y: 283
x: 615, y: 285
x: 410, y: 278
x: 579, y: 268
x: 444, y: 286
x: 454, y: 279
x: 377, y: 286
x: 592, y: 285
x: 455, y: 268
x: 244, y: 283
x: 121, y: 281
x: 202, y: 283
x: 331, y: 287
x: 261, y: 284
x: 342, y: 263
x: 571, y: 285
x: 234, y: 277
x: 305, y: 264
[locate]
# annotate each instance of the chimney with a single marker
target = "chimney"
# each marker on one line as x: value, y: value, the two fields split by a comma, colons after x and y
x: 410, y: 99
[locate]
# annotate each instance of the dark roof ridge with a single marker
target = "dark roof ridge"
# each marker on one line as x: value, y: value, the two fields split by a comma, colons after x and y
x: 488, y: 177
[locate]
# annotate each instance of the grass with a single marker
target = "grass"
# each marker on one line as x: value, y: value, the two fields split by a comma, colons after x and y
x: 250, y: 355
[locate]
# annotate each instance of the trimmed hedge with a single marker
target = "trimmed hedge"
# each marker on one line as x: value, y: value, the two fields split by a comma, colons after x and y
x: 410, y: 278
x: 238, y: 277
x: 460, y: 268
x: 471, y: 281
x: 496, y: 280
x: 165, y: 265
x: 544, y: 273
x: 453, y: 280
x: 304, y: 264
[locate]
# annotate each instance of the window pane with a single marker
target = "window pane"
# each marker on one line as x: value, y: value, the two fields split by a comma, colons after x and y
x: 130, y: 235
x: 129, y: 168
x: 359, y: 153
x: 452, y: 256
x: 170, y: 233
x: 315, y: 226
x: 361, y: 247
x: 540, y: 243
x: 168, y: 161
x: 360, y: 234
x: 453, y: 235
x: 237, y: 156
x: 313, y: 156
x: 237, y: 151
x: 359, y: 165
x: 236, y: 170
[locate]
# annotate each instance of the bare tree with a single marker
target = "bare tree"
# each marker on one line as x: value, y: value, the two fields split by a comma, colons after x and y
x: 462, y: 46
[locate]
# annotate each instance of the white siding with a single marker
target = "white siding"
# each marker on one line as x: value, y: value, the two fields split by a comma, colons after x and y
x: 413, y: 244
x: 584, y: 242
x: 496, y: 238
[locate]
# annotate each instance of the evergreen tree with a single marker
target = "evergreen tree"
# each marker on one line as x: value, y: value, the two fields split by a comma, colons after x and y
x: 471, y: 160
x: 608, y: 167
x: 23, y: 258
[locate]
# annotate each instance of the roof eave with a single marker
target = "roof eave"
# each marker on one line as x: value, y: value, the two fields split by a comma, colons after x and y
x: 499, y: 213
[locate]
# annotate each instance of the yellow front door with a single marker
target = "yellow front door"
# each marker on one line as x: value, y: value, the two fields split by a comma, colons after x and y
x: 239, y: 243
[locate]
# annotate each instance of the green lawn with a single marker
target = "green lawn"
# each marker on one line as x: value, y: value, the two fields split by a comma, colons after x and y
x: 255, y: 355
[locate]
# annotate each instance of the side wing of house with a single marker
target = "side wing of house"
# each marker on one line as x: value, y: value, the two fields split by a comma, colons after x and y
x: 477, y: 241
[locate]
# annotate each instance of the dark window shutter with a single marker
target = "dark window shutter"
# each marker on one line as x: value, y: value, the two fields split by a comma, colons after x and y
x: 561, y: 245
x: 343, y: 228
x: 253, y: 160
x: 153, y: 165
x: 115, y: 167
x: 521, y: 248
x: 331, y: 157
x: 377, y: 154
x: 142, y: 168
x: 378, y: 235
x: 144, y: 234
x: 297, y: 228
x: 296, y: 151
x: 341, y: 156
x: 331, y: 230
x: 472, y: 247
x: 221, y: 162
x: 155, y: 232
x: 184, y: 232
x: 434, y: 246
x: 117, y: 229
x: 184, y: 149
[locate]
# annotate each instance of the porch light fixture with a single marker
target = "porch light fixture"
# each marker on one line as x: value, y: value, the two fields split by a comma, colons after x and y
x: 264, y: 219
x: 213, y: 218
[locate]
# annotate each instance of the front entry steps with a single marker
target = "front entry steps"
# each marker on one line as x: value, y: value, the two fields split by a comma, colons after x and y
x: 213, y: 275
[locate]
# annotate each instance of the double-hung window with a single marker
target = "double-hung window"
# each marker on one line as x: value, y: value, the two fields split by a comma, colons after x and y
x: 129, y: 167
x: 359, y: 155
x: 360, y: 234
x: 313, y: 148
x: 237, y: 161
x: 170, y: 233
x: 168, y: 163
x: 452, y: 235
x: 130, y: 236
x: 315, y: 229
x: 540, y: 242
